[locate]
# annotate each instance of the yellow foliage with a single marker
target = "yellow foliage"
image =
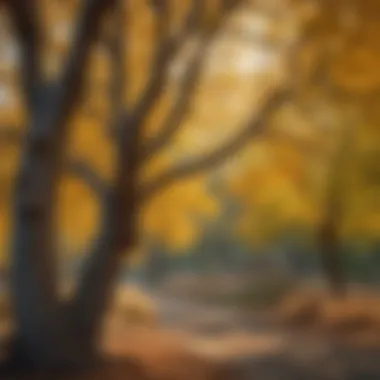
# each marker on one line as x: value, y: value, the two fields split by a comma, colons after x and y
x: 171, y: 216
x: 346, y: 73
x: 272, y: 184
x: 78, y: 212
x: 88, y: 141
x: 271, y: 176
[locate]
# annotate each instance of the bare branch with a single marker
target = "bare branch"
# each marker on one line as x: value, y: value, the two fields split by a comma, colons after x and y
x: 187, y: 87
x: 177, y: 115
x: 253, y: 127
x: 24, y: 17
x: 181, y: 107
x: 118, y: 80
x: 117, y: 53
x: 69, y: 87
x: 167, y: 46
x: 90, y: 177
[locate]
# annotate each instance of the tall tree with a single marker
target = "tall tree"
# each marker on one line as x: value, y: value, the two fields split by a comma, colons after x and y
x: 51, y: 332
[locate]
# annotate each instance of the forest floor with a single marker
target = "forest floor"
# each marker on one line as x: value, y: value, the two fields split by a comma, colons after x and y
x: 197, y: 340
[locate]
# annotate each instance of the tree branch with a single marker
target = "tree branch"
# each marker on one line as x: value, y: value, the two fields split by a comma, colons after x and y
x: 187, y: 88
x: 69, y: 88
x: 116, y: 48
x: 118, y: 231
x: 177, y: 114
x: 252, y: 128
x: 119, y: 211
x: 84, y: 171
x: 24, y: 18
x: 75, y: 166
x: 167, y: 46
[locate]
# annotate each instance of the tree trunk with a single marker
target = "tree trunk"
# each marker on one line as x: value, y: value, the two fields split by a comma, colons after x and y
x: 45, y: 329
x: 33, y: 272
x: 45, y: 337
x: 331, y: 259
x: 118, y: 234
x: 96, y: 287
x: 329, y: 239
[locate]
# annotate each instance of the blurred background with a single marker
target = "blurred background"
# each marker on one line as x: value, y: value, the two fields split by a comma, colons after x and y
x: 283, y: 230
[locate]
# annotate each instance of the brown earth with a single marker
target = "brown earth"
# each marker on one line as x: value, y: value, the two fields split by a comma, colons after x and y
x: 195, y: 341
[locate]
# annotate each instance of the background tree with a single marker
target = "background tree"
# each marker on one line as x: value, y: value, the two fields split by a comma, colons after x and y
x: 318, y: 142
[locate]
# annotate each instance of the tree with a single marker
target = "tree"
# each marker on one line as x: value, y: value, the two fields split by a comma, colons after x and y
x: 346, y: 85
x: 51, y: 332
x: 311, y: 164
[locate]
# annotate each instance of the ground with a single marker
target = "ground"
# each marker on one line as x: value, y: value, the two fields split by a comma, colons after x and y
x: 196, y: 340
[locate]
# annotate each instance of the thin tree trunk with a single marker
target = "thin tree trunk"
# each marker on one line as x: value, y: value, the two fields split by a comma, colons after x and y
x: 329, y: 239
x: 119, y: 223
x: 119, y: 233
x: 331, y: 260
x: 100, y: 275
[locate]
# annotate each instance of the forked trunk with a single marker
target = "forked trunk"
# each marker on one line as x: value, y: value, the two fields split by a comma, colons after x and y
x: 45, y: 330
x: 118, y: 234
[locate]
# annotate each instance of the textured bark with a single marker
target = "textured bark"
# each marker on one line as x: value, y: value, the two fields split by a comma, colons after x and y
x: 43, y: 329
x: 33, y: 274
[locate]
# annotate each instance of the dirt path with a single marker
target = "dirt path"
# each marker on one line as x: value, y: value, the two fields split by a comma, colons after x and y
x: 196, y: 340
x: 255, y: 349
